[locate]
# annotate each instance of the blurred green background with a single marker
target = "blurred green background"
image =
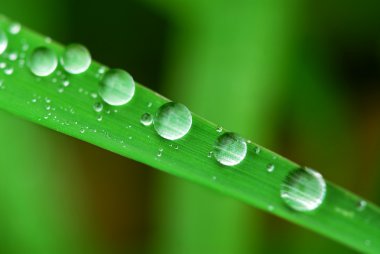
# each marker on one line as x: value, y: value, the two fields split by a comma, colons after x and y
x: 299, y: 77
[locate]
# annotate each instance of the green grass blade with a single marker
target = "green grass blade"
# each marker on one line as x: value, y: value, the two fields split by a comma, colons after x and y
x: 121, y: 132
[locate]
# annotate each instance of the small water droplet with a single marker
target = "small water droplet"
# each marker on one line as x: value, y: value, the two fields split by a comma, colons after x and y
x: 61, y: 90
x: 48, y: 40
x: 149, y: 104
x: 270, y: 168
x: 210, y: 154
x: 99, y: 118
x: 82, y: 130
x: 219, y: 129
x: 230, y: 149
x: 25, y: 47
x: 117, y: 87
x: 176, y: 147
x: 66, y: 83
x: 3, y: 65
x: 214, y: 178
x: 76, y: 59
x: 270, y: 208
x: 98, y: 107
x: 146, y: 119
x: 303, y: 189
x: 160, y: 150
x: 101, y: 70
x: 257, y: 150
x: 15, y: 28
x: 42, y: 61
x: 8, y: 71
x: 361, y: 205
x: 172, y: 121
x: 3, y: 41
x: 13, y: 56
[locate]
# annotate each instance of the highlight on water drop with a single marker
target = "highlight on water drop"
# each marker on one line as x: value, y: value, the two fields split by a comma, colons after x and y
x: 117, y: 87
x: 303, y: 190
x: 42, y: 61
x: 230, y: 149
x: 172, y: 120
x: 3, y: 41
x: 76, y: 59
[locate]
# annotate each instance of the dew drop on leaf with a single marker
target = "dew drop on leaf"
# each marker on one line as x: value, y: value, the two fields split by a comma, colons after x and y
x: 76, y: 59
x: 42, y: 61
x: 146, y: 119
x: 270, y: 168
x: 230, y: 149
x: 303, y: 189
x: 172, y: 121
x: 117, y: 87
x: 98, y: 107
x: 15, y: 28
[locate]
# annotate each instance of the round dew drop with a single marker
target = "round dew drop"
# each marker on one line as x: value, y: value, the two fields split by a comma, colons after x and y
x: 230, y: 149
x: 117, y: 87
x: 98, y: 107
x: 42, y: 61
x: 76, y: 59
x: 15, y: 28
x: 146, y: 119
x: 173, y: 121
x: 3, y: 41
x: 303, y: 190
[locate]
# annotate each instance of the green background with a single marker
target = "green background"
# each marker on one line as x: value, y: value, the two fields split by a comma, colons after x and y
x: 299, y: 77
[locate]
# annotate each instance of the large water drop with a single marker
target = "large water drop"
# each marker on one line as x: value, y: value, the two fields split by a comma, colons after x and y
x: 42, y: 61
x: 230, y: 149
x: 303, y: 189
x: 117, y: 87
x: 173, y: 121
x: 76, y: 59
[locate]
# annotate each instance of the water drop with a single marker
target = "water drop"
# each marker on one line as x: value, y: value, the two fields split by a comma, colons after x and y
x: 270, y: 168
x: 15, y: 28
x: 230, y: 149
x: 43, y: 61
x: 99, y: 118
x: 13, y: 56
x: 219, y: 129
x: 48, y: 40
x: 82, y: 130
x: 8, y: 71
x: 3, y: 65
x: 210, y: 154
x: 159, y: 154
x: 98, y: 107
x: 3, y: 41
x: 361, y: 205
x: 303, y: 190
x: 66, y: 83
x: 172, y: 121
x: 117, y: 87
x: 146, y: 119
x: 257, y: 150
x: 76, y: 59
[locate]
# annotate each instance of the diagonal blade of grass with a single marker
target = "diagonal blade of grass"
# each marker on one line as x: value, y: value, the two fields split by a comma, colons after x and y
x: 69, y: 110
